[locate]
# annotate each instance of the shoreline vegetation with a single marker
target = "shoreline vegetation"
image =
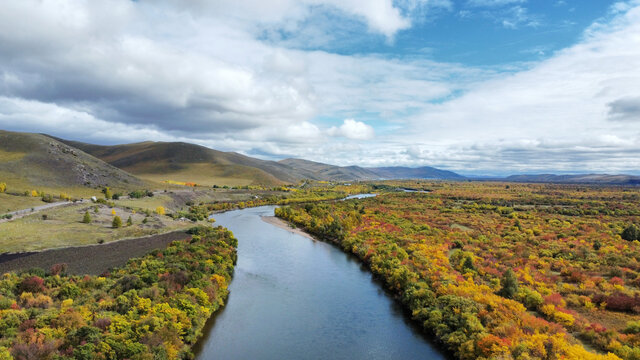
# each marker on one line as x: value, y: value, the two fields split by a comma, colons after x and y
x: 490, y: 270
x: 151, y: 212
x: 500, y: 271
x: 154, y: 307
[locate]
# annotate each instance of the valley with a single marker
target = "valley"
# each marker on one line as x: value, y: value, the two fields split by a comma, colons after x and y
x: 319, y: 179
x: 533, y: 269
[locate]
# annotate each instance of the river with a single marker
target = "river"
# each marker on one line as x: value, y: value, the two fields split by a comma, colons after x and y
x: 297, y: 298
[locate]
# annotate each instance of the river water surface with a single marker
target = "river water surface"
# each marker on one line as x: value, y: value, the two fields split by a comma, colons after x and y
x: 297, y: 298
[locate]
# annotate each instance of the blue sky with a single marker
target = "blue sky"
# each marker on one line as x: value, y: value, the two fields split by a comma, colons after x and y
x: 476, y: 86
x: 476, y: 34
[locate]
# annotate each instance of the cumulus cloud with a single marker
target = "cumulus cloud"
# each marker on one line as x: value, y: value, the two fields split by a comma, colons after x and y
x: 112, y: 62
x: 110, y: 71
x: 554, y: 115
x: 352, y: 129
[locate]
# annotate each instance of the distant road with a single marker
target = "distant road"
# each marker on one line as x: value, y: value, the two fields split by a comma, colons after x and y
x: 32, y: 210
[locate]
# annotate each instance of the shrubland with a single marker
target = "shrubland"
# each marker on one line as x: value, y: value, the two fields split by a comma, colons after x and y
x: 153, y: 308
x: 498, y: 270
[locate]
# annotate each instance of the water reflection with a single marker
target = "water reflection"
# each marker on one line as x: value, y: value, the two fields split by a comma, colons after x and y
x: 296, y: 298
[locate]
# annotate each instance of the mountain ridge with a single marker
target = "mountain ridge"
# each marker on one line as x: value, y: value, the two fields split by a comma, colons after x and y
x: 179, y: 161
x: 29, y: 160
x: 132, y: 164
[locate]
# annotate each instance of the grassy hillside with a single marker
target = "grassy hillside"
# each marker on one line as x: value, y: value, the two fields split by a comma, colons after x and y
x: 319, y: 171
x: 34, y: 161
x: 63, y: 227
x: 425, y: 172
x: 160, y: 161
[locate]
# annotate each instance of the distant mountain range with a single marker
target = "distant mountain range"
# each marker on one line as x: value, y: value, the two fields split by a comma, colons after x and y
x: 425, y: 172
x: 158, y: 161
x: 576, y: 179
x: 38, y: 160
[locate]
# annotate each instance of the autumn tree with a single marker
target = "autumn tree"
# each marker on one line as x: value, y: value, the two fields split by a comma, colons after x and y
x: 107, y: 193
x: 3, y: 187
x: 117, y: 222
x: 509, y: 284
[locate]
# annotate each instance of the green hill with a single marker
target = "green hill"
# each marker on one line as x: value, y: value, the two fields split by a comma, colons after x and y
x: 424, y: 172
x: 177, y: 161
x: 319, y: 171
x: 35, y: 161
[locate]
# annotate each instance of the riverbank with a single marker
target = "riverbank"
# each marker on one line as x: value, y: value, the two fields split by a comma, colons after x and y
x: 293, y: 297
x: 188, y: 284
x: 277, y: 222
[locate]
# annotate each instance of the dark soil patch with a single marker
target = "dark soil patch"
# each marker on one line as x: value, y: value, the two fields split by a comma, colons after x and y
x: 91, y: 260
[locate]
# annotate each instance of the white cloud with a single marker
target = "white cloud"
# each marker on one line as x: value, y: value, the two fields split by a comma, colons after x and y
x: 381, y: 16
x: 193, y: 76
x: 493, y: 3
x: 555, y: 115
x: 517, y: 16
x: 120, y: 71
x: 352, y: 129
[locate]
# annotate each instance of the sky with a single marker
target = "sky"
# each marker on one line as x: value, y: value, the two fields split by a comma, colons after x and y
x: 481, y: 87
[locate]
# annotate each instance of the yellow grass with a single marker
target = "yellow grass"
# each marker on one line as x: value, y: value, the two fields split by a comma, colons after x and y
x: 206, y: 174
x: 10, y: 203
x: 150, y: 203
x: 6, y: 156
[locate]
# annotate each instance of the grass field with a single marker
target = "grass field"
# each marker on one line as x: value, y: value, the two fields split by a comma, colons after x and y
x: 37, y: 162
x: 212, y: 174
x: 63, y: 227
x: 177, y: 199
x: 10, y: 203
x: 18, y: 185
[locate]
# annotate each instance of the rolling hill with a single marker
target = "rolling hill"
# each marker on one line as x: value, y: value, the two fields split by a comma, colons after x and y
x: 34, y: 161
x: 319, y: 171
x: 160, y: 161
x: 425, y: 172
x: 177, y: 161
